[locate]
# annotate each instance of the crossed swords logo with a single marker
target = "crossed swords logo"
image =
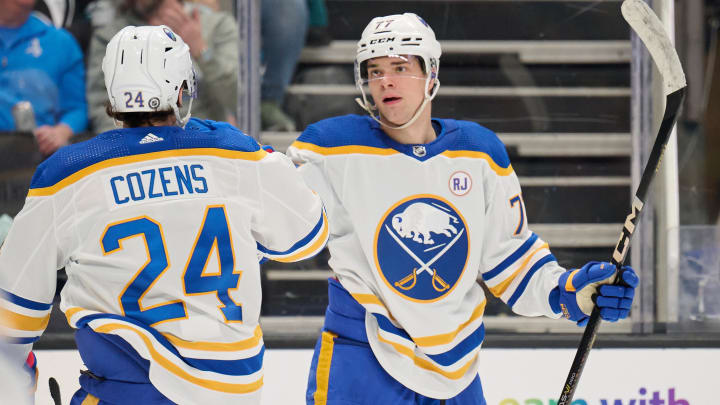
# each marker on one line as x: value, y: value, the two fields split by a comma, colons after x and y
x: 408, y: 282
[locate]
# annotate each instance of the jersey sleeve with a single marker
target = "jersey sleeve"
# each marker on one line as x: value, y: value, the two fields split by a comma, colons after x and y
x: 517, y: 265
x: 292, y: 225
x: 29, y: 260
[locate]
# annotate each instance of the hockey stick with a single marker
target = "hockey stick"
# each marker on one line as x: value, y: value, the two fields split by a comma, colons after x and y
x: 650, y: 30
x: 54, y: 391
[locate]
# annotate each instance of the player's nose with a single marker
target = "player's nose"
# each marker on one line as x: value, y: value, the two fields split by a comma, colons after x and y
x: 387, y: 81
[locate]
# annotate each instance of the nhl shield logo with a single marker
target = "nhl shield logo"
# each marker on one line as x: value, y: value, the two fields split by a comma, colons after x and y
x: 421, y: 247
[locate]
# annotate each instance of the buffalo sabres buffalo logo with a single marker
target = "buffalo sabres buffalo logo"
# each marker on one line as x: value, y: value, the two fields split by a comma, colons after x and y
x: 421, y: 247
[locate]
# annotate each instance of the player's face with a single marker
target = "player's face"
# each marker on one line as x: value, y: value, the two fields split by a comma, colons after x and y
x: 397, y: 86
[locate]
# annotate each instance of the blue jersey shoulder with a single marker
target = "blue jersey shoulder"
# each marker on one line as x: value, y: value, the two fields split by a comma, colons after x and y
x: 120, y: 143
x: 474, y: 137
x: 215, y: 134
x: 344, y: 130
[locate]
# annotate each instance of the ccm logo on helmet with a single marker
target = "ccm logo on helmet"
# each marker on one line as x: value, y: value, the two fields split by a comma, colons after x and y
x: 382, y: 40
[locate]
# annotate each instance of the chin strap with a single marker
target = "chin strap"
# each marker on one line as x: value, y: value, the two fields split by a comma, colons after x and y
x: 181, y: 121
x: 369, y: 107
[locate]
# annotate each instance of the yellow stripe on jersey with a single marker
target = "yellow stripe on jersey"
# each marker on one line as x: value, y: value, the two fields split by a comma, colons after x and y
x: 17, y: 321
x: 217, y: 346
x: 445, y: 338
x: 175, y: 369
x: 73, y: 178
x: 427, y: 365
x: 502, y: 171
x: 70, y: 312
x: 90, y: 400
x: 367, y: 299
x: 322, y: 373
x: 307, y: 251
x: 499, y: 289
x: 344, y: 150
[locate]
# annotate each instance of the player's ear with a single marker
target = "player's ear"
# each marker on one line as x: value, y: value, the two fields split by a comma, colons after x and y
x: 180, y: 93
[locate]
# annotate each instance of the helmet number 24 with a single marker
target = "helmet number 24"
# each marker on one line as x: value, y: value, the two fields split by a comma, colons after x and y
x: 136, y: 102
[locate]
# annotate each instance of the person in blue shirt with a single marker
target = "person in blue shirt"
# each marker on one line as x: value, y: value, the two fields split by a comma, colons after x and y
x: 42, y: 65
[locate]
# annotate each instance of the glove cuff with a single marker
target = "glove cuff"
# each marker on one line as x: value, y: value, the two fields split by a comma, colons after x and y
x: 554, y: 300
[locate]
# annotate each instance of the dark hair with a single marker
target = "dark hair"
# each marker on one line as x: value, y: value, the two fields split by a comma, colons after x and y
x: 137, y: 119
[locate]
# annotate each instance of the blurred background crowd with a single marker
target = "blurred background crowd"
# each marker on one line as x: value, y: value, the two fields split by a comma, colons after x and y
x: 560, y: 95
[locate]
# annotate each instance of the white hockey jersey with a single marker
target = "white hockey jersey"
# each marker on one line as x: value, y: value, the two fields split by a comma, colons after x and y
x: 412, y: 230
x: 160, y: 231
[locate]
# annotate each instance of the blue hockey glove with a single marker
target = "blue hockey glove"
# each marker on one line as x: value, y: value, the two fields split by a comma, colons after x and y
x: 579, y: 290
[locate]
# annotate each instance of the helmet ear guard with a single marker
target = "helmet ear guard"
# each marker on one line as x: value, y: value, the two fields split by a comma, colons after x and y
x: 393, y: 35
x: 146, y: 69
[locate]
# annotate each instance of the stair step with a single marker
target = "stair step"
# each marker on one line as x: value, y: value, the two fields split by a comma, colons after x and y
x: 489, y: 20
x: 471, y: 91
x: 491, y: 72
x: 529, y: 51
x: 552, y: 113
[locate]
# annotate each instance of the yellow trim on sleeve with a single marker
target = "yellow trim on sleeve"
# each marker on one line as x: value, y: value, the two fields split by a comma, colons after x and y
x: 502, y: 171
x: 446, y: 338
x: 319, y: 242
x: 322, y: 373
x: 499, y: 289
x: 71, y: 312
x: 23, y: 322
x: 344, y: 150
x: 75, y: 177
x: 427, y: 365
x: 179, y: 372
x: 217, y: 346
x: 367, y: 299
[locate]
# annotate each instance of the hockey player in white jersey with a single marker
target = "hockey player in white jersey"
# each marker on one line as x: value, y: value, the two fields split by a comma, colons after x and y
x: 419, y: 210
x: 160, y: 227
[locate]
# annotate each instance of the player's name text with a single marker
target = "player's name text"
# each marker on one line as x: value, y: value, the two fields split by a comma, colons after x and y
x: 158, y: 182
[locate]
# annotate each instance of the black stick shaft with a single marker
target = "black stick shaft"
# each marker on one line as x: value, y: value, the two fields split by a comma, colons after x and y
x: 672, y: 106
x: 54, y: 391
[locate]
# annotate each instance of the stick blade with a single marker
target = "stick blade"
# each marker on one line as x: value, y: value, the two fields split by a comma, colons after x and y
x: 652, y: 33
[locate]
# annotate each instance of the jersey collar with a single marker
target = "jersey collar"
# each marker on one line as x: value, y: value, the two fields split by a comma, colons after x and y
x: 422, y: 152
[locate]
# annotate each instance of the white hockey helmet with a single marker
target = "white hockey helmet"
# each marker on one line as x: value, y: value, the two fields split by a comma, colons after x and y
x: 145, y: 68
x: 397, y: 35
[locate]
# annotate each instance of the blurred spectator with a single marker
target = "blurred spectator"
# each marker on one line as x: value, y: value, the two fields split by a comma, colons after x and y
x: 211, y: 4
x: 318, y: 33
x: 212, y: 37
x: 284, y: 26
x: 41, y: 68
x: 73, y: 15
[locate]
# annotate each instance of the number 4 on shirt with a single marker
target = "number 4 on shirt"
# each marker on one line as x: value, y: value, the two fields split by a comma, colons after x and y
x: 214, y: 235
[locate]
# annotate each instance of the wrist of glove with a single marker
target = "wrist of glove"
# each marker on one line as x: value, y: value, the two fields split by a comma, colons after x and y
x: 579, y: 290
